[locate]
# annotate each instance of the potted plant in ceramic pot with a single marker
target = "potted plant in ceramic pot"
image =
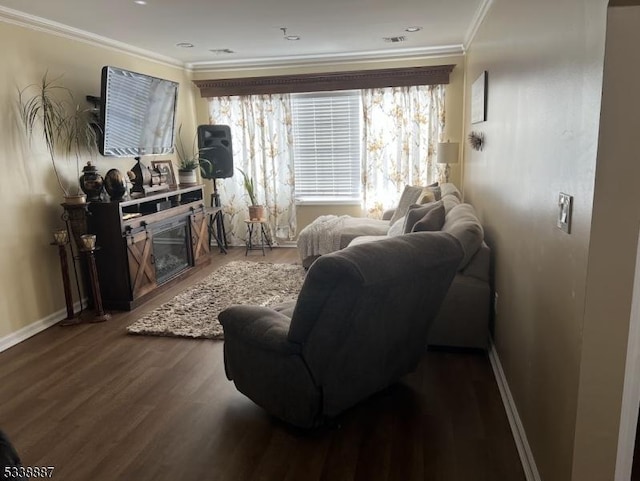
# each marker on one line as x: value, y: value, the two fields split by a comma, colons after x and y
x: 256, y: 211
x: 187, y: 172
x: 188, y: 161
x: 48, y: 109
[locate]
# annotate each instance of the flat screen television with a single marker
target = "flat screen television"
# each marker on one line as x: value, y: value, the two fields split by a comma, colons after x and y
x: 137, y: 114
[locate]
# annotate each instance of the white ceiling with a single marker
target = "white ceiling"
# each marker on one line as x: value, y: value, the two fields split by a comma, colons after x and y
x: 329, y: 30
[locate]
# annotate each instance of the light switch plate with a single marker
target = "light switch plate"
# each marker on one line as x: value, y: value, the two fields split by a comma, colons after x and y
x: 565, y: 206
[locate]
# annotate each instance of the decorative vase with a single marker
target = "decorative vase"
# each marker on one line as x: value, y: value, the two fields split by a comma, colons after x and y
x: 187, y: 177
x: 91, y: 182
x: 114, y: 184
x: 256, y: 212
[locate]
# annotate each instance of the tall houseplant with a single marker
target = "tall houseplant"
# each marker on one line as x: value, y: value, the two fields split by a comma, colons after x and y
x: 49, y: 110
x: 256, y: 211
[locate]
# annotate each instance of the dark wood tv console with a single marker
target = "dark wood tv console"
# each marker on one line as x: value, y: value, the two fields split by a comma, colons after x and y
x: 148, y: 244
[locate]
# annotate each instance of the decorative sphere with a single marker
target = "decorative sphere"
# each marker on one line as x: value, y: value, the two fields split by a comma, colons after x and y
x: 114, y: 184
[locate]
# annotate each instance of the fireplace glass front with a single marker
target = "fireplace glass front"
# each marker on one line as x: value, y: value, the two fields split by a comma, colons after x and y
x: 171, y: 251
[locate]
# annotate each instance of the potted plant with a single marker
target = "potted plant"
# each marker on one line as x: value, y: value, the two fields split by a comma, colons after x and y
x: 256, y: 211
x: 49, y: 109
x: 188, y: 160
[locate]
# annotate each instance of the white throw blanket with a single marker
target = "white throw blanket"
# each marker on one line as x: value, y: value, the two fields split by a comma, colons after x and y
x: 321, y: 237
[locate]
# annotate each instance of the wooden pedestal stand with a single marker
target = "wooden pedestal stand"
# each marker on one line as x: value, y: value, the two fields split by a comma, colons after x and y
x: 100, y: 315
x: 71, y: 318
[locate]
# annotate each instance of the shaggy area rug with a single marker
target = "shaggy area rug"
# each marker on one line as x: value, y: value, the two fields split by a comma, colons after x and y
x: 194, y: 313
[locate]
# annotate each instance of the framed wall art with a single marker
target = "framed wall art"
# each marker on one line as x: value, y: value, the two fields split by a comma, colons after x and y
x: 165, y: 167
x: 479, y: 99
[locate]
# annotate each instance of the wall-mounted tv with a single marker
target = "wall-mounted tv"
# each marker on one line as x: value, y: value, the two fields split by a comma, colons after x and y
x: 137, y: 114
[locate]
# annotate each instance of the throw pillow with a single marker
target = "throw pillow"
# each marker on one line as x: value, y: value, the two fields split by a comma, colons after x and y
x: 417, y: 212
x: 409, y: 196
x: 426, y: 196
x: 436, y: 190
x: 431, y: 221
x: 397, y: 228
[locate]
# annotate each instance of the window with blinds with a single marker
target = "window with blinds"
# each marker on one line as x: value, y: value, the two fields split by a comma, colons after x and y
x: 326, y: 146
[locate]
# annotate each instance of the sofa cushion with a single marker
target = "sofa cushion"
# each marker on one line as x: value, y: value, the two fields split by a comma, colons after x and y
x: 417, y: 212
x: 462, y: 223
x: 450, y: 189
x: 450, y: 201
x: 356, y: 226
x: 410, y: 195
x: 363, y: 239
x: 397, y: 228
x: 431, y: 221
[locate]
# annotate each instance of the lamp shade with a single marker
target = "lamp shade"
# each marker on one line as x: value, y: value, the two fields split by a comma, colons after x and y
x: 447, y: 153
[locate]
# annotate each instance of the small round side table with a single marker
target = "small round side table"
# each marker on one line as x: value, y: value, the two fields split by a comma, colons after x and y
x: 257, y: 236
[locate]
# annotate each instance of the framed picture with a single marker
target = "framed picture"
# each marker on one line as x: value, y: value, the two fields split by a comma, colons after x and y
x: 479, y: 99
x: 165, y: 167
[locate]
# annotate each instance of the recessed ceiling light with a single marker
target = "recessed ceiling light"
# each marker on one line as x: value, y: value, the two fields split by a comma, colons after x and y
x: 412, y: 29
x: 140, y: 2
x: 184, y: 45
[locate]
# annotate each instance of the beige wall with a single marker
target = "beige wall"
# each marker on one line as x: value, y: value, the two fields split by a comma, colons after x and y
x: 612, y: 254
x: 562, y: 323
x: 453, y: 105
x: 31, y: 283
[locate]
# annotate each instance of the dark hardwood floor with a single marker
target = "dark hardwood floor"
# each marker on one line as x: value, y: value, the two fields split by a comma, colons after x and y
x: 101, y: 405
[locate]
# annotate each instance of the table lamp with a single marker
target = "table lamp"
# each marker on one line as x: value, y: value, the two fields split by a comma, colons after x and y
x: 447, y: 153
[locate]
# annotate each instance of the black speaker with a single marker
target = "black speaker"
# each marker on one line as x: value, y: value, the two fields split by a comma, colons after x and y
x: 214, y: 142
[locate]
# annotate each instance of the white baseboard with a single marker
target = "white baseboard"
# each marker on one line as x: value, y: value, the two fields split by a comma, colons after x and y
x: 519, y: 434
x: 34, y: 328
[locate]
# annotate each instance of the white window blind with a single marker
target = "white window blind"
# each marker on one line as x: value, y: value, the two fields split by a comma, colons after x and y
x: 326, y: 146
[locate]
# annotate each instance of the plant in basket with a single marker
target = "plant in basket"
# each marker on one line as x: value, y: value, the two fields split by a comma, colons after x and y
x: 256, y: 211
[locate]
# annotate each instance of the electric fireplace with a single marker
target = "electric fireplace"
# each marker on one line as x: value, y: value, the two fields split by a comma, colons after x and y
x: 171, y: 249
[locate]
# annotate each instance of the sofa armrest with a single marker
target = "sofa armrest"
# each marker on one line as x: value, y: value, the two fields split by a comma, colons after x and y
x: 388, y: 214
x: 479, y: 265
x: 258, y: 326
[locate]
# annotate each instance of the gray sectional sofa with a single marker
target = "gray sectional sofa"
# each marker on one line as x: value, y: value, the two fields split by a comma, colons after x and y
x: 352, y: 331
x: 463, y: 320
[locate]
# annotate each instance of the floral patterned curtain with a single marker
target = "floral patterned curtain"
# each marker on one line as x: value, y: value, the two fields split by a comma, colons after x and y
x: 262, y: 147
x: 402, y: 126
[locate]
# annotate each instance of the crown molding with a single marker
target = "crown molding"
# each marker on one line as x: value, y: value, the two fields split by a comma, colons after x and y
x: 477, y: 20
x: 322, y: 82
x: 323, y: 59
x: 40, y: 24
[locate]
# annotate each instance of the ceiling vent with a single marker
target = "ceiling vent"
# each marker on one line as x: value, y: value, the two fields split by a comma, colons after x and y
x: 221, y: 51
x: 395, y: 39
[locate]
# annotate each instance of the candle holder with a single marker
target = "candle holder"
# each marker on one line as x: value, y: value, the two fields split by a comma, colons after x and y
x: 88, y: 242
x: 61, y: 239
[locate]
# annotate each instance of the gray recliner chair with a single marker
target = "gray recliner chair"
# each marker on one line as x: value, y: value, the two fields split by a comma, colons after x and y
x: 359, y: 324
